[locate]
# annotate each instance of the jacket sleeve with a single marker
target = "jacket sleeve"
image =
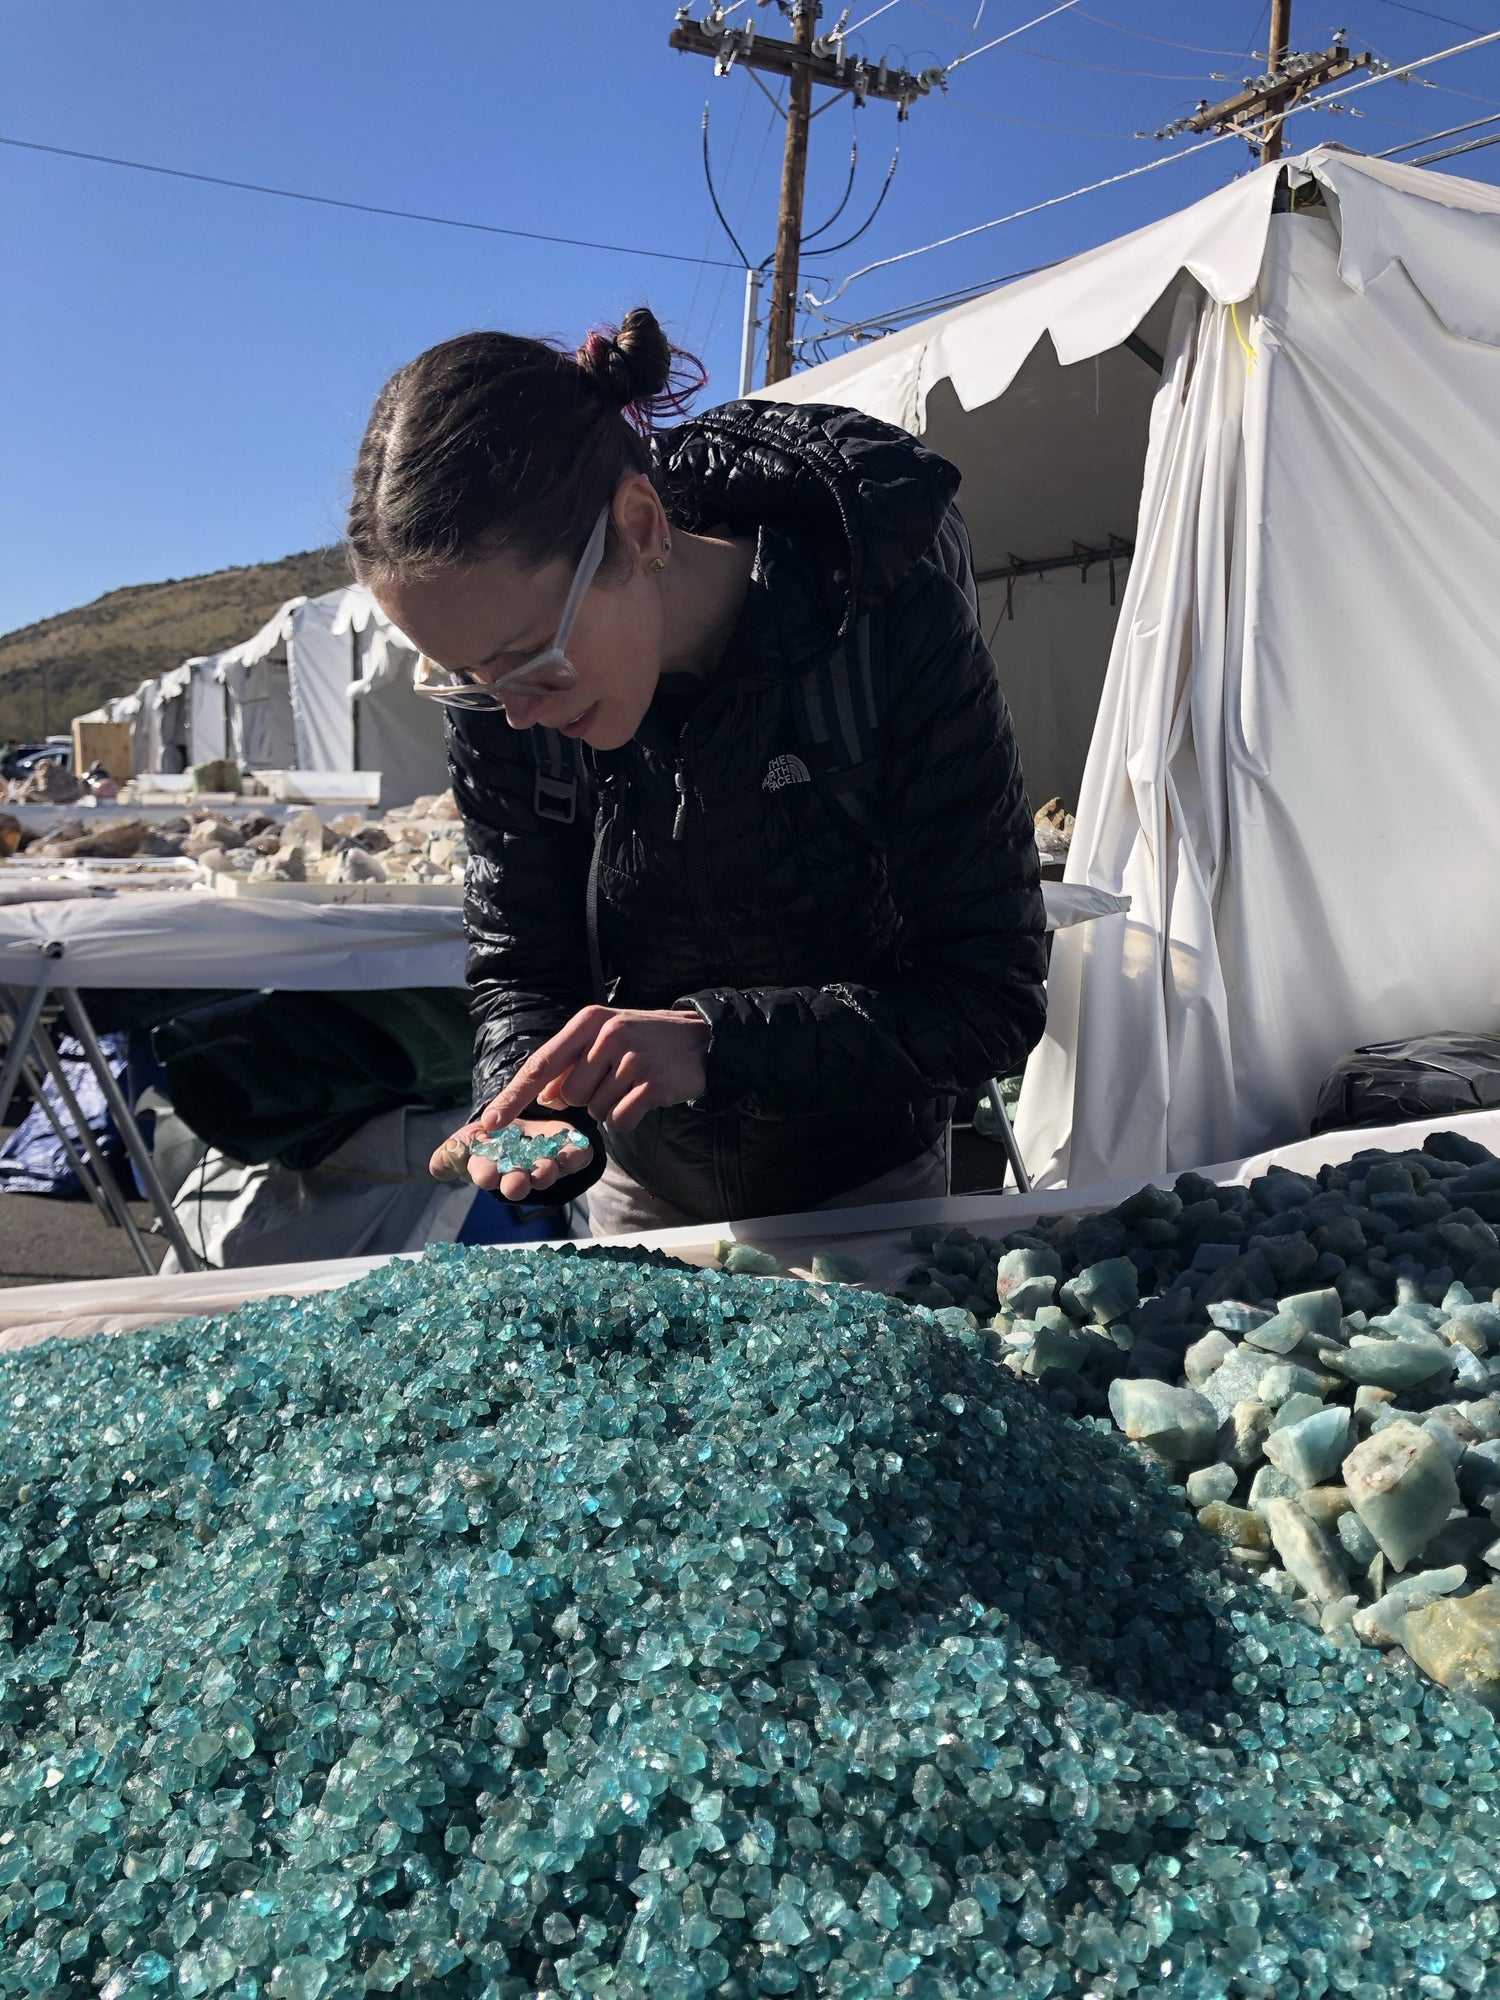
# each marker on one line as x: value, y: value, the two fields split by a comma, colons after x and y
x: 525, y: 904
x: 965, y: 1000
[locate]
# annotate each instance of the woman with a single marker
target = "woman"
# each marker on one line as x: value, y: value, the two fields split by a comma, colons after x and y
x: 754, y: 964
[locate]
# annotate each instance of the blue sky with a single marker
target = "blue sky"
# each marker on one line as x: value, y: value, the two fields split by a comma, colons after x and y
x: 185, y: 370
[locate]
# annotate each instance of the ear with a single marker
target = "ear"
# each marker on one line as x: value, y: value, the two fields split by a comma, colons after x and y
x: 639, y: 518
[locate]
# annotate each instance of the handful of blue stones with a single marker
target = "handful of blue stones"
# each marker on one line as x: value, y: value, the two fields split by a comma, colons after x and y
x: 515, y: 1151
x: 524, y: 1621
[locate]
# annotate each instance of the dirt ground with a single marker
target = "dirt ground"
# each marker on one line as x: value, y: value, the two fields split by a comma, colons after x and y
x: 44, y: 1242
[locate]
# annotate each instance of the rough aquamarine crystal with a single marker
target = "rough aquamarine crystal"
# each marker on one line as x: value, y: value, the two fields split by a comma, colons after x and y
x: 1312, y: 1449
x: 1178, y: 1423
x: 1403, y: 1488
x: 528, y: 1622
x: 515, y: 1151
x: 1311, y: 1558
x: 1211, y: 1482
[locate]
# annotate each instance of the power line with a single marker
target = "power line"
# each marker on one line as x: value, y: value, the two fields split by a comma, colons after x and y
x: 1016, y: 215
x: 1447, y: 19
x: 985, y: 47
x: 367, y: 207
x: 1452, y: 152
x: 1190, y: 48
x: 1428, y: 138
x: 1149, y: 166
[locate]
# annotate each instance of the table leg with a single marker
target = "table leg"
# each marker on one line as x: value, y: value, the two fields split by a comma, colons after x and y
x: 52, y: 1063
x: 1008, y: 1137
x: 87, y: 1180
x: 130, y: 1131
x: 26, y: 1017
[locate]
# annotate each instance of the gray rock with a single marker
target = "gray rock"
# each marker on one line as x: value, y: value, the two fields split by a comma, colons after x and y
x: 1403, y: 1488
x: 1311, y: 1558
x: 1178, y: 1423
x: 1312, y: 1450
x: 1209, y: 1483
x: 1479, y: 1472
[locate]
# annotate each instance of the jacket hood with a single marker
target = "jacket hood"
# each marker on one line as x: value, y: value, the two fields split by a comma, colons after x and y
x: 858, y: 500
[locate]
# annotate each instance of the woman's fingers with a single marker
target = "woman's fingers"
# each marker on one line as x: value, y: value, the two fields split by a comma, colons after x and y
x: 552, y: 1060
x: 633, y: 1107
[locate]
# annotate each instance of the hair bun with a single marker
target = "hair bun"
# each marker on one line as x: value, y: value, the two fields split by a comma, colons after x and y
x: 639, y: 369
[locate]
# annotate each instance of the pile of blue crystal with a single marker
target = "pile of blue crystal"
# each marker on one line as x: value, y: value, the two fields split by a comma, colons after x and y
x: 516, y: 1622
x: 516, y: 1151
x: 1316, y: 1362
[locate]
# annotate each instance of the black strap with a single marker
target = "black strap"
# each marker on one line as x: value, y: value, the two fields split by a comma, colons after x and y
x: 554, y: 792
x: 591, y: 916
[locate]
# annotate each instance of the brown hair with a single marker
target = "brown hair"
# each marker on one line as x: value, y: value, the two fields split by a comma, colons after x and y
x: 493, y: 441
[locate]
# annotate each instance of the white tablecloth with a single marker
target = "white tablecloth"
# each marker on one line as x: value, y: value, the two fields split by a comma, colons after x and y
x: 198, y: 939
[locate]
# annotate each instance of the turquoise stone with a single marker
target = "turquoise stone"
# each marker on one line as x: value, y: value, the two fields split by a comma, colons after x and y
x: 515, y: 1151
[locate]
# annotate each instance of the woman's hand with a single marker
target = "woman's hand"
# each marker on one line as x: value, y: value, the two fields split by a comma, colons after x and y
x: 452, y: 1160
x: 616, y: 1062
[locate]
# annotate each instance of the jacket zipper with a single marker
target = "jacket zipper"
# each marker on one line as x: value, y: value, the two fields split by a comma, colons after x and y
x: 679, y: 823
x: 728, y: 1195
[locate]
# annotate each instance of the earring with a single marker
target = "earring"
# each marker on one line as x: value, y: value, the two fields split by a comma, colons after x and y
x: 666, y: 545
x: 656, y: 565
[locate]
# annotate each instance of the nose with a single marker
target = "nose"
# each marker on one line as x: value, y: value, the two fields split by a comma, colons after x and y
x: 522, y: 710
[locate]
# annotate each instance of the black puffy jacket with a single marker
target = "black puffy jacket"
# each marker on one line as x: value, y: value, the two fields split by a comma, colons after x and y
x: 853, y: 989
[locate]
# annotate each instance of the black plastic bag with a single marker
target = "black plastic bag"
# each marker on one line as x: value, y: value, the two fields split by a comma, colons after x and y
x: 291, y: 1076
x: 1430, y: 1076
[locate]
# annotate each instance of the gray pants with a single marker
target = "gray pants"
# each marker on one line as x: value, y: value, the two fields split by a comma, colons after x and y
x: 619, y: 1206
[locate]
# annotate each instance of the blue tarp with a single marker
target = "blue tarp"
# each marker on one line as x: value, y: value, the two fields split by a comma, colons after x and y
x: 33, y: 1162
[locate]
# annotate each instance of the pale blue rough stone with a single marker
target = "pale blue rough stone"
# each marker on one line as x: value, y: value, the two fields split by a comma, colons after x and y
x: 1177, y: 1423
x: 1103, y: 1292
x: 1395, y: 1363
x: 1279, y: 1335
x: 1321, y: 1312
x: 1311, y: 1451
x: 1402, y: 1487
x: 1210, y: 1483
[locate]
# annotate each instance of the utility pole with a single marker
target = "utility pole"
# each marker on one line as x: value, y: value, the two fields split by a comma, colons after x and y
x: 1270, y: 97
x: 1281, y: 42
x: 789, y: 216
x: 805, y: 60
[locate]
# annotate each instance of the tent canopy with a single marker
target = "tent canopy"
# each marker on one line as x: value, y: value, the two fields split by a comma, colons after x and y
x: 352, y: 697
x: 1283, y: 740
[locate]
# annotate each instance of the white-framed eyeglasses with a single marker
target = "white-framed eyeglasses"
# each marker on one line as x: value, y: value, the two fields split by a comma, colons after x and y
x: 551, y: 672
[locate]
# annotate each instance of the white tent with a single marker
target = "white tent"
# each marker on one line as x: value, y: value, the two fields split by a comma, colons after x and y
x: 208, y: 711
x: 146, y: 727
x: 1287, y: 398
x: 258, y: 702
x: 353, y: 701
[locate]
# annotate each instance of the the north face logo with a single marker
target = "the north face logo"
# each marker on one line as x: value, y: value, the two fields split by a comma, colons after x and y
x: 784, y: 771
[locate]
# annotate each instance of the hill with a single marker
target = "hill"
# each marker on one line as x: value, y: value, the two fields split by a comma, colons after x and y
x: 57, y: 668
